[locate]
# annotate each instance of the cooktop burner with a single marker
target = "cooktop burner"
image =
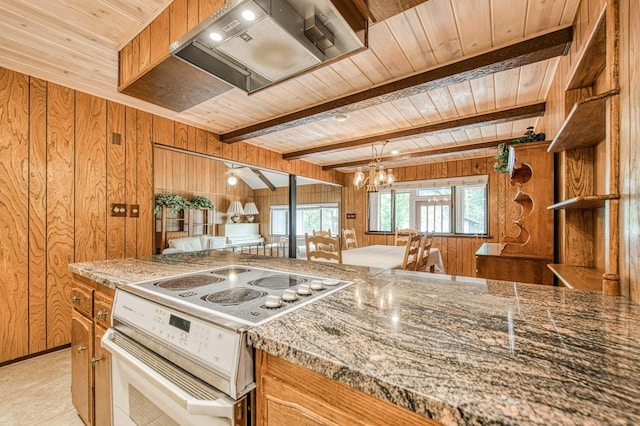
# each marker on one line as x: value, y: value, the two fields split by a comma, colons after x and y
x: 233, y: 296
x: 189, y: 282
x: 230, y: 271
x: 242, y: 293
x: 278, y: 282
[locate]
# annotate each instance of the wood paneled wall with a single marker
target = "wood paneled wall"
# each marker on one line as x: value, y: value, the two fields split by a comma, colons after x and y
x: 14, y: 181
x: 305, y: 194
x: 629, y: 149
x: 188, y: 175
x: 179, y: 135
x: 59, y: 172
x: 458, y: 253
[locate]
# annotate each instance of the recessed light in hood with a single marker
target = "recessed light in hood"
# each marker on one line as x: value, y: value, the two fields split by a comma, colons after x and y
x: 254, y: 43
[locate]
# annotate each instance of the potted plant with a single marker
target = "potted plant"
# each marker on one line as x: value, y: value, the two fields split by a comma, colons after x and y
x: 201, y: 202
x: 502, y: 159
x: 174, y: 202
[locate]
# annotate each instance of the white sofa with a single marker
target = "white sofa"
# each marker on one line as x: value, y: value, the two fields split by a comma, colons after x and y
x: 202, y: 242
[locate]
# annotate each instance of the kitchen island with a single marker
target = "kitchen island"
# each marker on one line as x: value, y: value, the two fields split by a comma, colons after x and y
x: 458, y: 350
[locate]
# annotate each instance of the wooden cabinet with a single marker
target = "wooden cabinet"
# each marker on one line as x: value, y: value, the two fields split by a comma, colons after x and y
x: 288, y: 394
x: 90, y: 363
x: 185, y: 223
x: 202, y: 222
x: 526, y: 249
x: 587, y: 147
x: 492, y: 264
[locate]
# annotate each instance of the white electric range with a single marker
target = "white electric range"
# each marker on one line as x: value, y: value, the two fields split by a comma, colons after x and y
x: 179, y: 348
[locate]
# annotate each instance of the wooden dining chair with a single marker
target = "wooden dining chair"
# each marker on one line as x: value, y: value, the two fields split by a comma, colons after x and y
x: 322, y: 233
x: 402, y: 236
x: 349, y: 238
x: 412, y: 253
x: 321, y: 248
x: 425, y: 250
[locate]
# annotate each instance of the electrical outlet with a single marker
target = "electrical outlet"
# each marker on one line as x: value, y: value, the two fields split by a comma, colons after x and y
x: 119, y: 210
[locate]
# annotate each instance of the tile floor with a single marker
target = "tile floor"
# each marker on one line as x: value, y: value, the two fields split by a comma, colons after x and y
x: 37, y: 391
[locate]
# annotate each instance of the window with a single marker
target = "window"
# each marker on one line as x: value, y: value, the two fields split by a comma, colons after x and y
x: 472, y: 209
x: 309, y: 217
x: 443, y: 206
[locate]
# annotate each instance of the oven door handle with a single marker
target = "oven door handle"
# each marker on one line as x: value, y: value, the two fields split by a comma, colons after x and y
x: 215, y: 408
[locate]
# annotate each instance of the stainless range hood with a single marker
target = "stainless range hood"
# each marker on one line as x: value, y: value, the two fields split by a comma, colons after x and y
x: 251, y: 44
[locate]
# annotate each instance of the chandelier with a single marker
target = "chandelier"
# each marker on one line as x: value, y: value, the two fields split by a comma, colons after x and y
x: 377, y: 178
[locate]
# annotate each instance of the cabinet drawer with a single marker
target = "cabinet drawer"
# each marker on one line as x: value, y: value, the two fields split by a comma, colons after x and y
x: 102, y: 309
x: 82, y: 298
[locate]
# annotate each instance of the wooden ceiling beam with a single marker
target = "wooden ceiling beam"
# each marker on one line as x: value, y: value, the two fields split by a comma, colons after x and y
x: 379, y: 10
x: 419, y: 154
x: 528, y: 51
x: 478, y: 120
x: 263, y: 178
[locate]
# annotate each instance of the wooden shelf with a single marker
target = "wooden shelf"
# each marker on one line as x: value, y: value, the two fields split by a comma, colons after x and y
x: 585, y: 125
x: 593, y: 58
x: 522, y: 196
x: 584, y: 202
x: 578, y: 277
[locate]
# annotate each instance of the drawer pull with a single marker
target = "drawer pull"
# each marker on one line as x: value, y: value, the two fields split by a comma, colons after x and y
x: 75, y: 299
x: 102, y: 315
x: 81, y: 348
x: 94, y: 360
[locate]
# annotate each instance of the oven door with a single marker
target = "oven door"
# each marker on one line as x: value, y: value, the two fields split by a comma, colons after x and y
x: 147, y: 389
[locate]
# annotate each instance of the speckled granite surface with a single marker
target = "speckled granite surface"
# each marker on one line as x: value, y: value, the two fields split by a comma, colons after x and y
x: 459, y: 350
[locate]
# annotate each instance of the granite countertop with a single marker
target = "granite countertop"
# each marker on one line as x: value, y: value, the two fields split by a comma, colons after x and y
x: 459, y: 350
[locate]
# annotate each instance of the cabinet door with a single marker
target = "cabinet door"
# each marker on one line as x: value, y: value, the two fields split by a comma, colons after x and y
x: 81, y: 353
x: 102, y: 381
x: 288, y: 394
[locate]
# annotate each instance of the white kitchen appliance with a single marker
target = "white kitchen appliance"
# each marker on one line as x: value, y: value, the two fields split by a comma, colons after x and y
x: 179, y: 352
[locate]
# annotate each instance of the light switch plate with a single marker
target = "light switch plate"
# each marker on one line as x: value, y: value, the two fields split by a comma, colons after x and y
x: 134, y: 210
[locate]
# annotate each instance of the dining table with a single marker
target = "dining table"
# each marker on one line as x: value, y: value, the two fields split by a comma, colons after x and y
x: 387, y: 257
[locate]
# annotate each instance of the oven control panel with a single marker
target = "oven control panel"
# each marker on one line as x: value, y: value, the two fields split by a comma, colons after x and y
x: 213, y: 345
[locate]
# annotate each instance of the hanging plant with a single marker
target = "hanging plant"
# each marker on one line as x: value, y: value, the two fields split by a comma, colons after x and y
x: 502, y: 159
x: 174, y: 202
x: 201, y: 202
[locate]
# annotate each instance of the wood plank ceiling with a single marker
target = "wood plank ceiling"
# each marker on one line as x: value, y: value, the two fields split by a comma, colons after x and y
x: 76, y: 43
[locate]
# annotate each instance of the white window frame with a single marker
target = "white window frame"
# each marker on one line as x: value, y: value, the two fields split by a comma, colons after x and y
x: 300, y: 207
x: 456, y: 210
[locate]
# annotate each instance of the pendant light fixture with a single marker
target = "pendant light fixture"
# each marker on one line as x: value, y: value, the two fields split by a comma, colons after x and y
x: 377, y: 178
